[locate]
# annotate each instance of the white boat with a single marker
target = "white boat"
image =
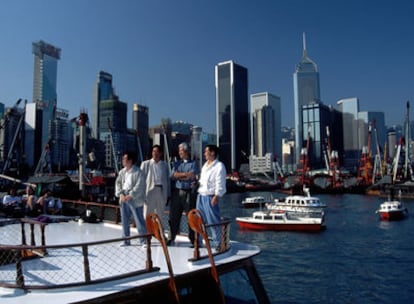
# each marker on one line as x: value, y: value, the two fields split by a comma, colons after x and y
x: 280, y: 221
x: 254, y: 202
x: 298, y: 203
x: 78, y: 262
x: 392, y: 210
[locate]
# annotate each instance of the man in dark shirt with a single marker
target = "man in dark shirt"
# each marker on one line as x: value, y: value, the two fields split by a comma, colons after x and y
x: 184, y: 175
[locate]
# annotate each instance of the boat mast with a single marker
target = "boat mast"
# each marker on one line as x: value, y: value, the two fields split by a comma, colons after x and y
x: 407, y: 164
x: 83, y: 119
x: 377, y: 160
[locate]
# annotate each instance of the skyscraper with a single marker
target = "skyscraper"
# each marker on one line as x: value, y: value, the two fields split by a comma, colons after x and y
x: 46, y: 58
x: 350, y: 109
x: 232, y: 116
x: 265, y: 128
x: 305, y: 90
x: 103, y: 90
x: 140, y: 125
x: 113, y: 129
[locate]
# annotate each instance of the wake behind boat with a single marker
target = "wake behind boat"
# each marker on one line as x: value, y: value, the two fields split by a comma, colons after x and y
x: 281, y: 221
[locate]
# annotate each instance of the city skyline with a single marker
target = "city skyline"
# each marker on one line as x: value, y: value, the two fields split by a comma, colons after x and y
x: 162, y: 55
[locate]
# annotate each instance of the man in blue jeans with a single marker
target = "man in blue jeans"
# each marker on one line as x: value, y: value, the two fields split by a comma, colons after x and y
x: 130, y: 188
x: 212, y: 186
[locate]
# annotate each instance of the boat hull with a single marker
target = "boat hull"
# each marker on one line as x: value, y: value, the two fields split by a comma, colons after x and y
x: 246, y: 224
x: 392, y: 215
x: 253, y: 205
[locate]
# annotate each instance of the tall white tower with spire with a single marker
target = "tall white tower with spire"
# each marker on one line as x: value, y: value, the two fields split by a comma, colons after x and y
x: 305, y: 90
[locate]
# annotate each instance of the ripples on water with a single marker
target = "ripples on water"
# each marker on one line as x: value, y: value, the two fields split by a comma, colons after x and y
x: 357, y: 259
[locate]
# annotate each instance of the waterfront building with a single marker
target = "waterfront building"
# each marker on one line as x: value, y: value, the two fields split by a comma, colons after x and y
x: 261, y: 164
x: 265, y: 127
x: 317, y: 117
x: 140, y: 123
x: 232, y: 117
x: 288, y: 147
x: 103, y: 90
x: 46, y: 58
x: 305, y: 90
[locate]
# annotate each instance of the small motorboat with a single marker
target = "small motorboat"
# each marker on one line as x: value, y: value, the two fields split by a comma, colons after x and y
x: 281, y: 221
x: 298, y: 203
x: 392, y: 210
x: 254, y: 202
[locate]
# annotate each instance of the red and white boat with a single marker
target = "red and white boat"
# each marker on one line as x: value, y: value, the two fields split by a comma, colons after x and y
x: 392, y: 210
x: 281, y: 221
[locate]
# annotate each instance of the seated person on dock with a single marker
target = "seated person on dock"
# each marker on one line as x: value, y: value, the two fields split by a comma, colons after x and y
x: 29, y: 201
x: 12, y: 203
x: 50, y: 204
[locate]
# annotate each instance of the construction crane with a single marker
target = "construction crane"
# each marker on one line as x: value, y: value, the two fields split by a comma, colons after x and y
x: 377, y: 160
x: 113, y: 146
x: 16, y: 134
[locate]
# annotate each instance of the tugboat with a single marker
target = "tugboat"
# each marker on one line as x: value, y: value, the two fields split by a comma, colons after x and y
x: 392, y: 210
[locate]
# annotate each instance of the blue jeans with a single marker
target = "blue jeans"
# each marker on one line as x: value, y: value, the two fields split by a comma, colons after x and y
x: 128, y: 209
x: 211, y: 215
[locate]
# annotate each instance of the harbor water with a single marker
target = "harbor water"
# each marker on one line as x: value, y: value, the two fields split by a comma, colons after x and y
x: 357, y: 259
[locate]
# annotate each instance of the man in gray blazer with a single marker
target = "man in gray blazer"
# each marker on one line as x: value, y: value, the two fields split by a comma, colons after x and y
x: 130, y: 187
x: 158, y: 189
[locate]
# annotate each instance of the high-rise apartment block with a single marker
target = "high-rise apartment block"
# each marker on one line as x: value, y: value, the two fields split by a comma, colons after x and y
x: 232, y: 117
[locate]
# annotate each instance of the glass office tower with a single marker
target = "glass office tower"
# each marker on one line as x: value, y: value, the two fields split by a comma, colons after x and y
x: 103, y: 90
x: 232, y: 116
x: 265, y: 128
x: 305, y: 90
x: 46, y: 58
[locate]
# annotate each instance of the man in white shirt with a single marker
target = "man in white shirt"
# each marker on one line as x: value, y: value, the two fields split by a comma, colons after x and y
x: 212, y: 186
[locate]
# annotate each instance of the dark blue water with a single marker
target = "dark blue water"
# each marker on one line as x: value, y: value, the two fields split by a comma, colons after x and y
x: 357, y: 259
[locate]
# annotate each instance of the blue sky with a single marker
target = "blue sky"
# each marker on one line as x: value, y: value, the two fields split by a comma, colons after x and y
x: 162, y: 53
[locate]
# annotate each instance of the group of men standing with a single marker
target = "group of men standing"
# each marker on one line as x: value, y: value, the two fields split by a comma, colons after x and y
x: 147, y: 189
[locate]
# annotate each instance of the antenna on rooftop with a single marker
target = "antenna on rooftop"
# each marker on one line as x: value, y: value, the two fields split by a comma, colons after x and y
x: 304, y: 44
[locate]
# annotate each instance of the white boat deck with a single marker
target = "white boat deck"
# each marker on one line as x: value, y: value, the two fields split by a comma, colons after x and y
x: 65, y: 265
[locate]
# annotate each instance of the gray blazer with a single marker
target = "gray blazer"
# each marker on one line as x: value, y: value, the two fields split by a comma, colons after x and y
x: 138, y: 190
x: 148, y: 168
